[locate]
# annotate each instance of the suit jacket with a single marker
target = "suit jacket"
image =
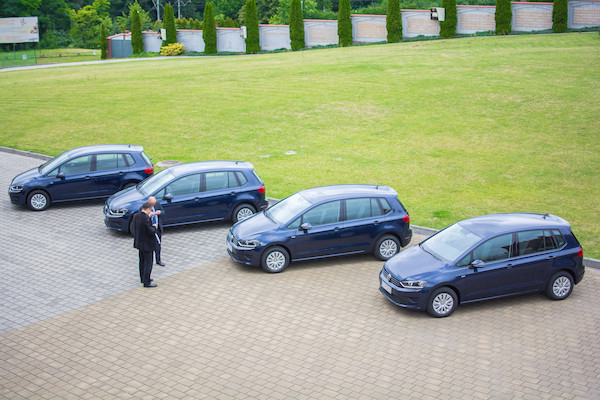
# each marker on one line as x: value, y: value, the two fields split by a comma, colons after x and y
x: 144, y: 238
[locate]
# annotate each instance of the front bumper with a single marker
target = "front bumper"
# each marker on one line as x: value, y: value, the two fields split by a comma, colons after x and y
x: 116, y: 222
x: 243, y: 255
x: 407, y: 298
x: 18, y: 198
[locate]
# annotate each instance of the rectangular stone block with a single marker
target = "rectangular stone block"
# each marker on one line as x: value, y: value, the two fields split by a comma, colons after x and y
x: 422, y: 26
x: 323, y: 35
x: 479, y: 22
x: 534, y: 19
x: 371, y: 30
x: 586, y: 16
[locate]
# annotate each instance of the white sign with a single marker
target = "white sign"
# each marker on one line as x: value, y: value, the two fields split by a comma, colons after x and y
x: 19, y: 30
x: 163, y: 34
x: 441, y: 12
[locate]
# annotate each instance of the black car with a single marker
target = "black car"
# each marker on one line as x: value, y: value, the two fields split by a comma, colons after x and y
x: 485, y: 257
x: 83, y: 173
x: 192, y: 192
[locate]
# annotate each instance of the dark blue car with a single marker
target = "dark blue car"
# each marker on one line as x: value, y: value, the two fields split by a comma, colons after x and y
x: 485, y: 258
x: 192, y: 192
x: 322, y: 222
x: 83, y: 173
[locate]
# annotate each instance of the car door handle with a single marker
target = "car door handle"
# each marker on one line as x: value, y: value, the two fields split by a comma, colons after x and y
x: 376, y: 222
x: 550, y: 257
x: 87, y: 177
x: 196, y: 198
x: 337, y: 228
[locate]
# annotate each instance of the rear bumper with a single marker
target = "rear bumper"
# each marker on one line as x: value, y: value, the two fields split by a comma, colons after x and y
x: 406, y: 237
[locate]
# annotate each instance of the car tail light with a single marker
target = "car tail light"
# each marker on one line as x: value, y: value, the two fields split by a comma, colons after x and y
x: 580, y: 253
x: 406, y: 218
x: 261, y: 189
x: 149, y: 170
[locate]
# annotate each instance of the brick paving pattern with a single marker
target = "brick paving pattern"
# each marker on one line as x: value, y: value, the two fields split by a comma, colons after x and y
x: 214, y: 329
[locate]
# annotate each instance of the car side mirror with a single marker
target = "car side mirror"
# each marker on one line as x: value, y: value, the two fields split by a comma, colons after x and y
x: 477, y: 264
x: 305, y: 226
x: 60, y: 175
x: 168, y: 196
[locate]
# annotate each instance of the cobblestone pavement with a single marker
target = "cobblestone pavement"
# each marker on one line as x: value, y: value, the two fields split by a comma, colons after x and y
x: 76, y: 325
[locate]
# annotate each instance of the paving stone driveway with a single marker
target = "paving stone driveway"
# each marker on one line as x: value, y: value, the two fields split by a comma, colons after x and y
x: 74, y: 323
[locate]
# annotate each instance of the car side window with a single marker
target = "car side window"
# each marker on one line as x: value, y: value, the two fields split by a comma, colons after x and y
x: 558, y: 237
x: 79, y: 165
x: 466, y: 260
x: 183, y: 186
x: 106, y: 162
x: 216, y: 180
x: 358, y: 208
x: 327, y: 213
x: 241, y: 178
x: 129, y: 160
x: 498, y: 248
x: 385, y: 205
x: 232, y: 179
x: 530, y: 242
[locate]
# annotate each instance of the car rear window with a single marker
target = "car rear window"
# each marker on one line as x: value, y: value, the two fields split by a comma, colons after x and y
x: 363, y: 208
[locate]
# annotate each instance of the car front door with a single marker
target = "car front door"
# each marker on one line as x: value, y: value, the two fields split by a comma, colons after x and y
x: 71, y: 180
x: 181, y: 200
x: 496, y: 277
x: 325, y: 235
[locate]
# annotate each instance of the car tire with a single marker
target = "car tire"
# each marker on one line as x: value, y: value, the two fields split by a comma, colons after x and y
x: 128, y: 185
x: 275, y: 259
x: 242, y: 212
x: 442, y: 302
x: 386, y: 247
x: 560, y: 286
x: 38, y: 200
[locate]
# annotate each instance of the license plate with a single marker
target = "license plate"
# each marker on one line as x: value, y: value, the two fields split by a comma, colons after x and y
x: 386, y: 287
x: 229, y: 247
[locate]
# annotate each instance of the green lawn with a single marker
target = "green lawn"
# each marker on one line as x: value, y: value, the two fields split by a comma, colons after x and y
x: 458, y: 127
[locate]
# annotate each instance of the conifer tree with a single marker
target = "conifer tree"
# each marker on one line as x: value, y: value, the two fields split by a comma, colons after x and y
x: 251, y: 21
x: 560, y: 12
x: 344, y: 23
x: 503, y: 17
x: 137, y: 43
x: 296, y: 26
x: 169, y: 25
x: 209, y: 32
x: 103, y: 42
x: 448, y: 26
x: 393, y: 22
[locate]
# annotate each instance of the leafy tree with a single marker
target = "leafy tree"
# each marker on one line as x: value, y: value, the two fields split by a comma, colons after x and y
x: 103, y: 43
x: 266, y: 9
x: 137, y: 43
x: 309, y: 10
x: 503, y: 17
x: 85, y: 27
x: 448, y: 27
x: 296, y: 26
x: 226, y: 22
x: 182, y: 23
x: 394, y: 22
x: 169, y: 25
x: 124, y: 20
x: 560, y: 13
x: 251, y: 22
x: 209, y: 34
x: 344, y: 24
x: 229, y: 8
x: 197, y: 24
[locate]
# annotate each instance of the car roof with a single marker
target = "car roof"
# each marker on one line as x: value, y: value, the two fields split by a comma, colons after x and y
x: 200, y: 166
x: 334, y: 192
x: 104, y: 148
x: 496, y: 224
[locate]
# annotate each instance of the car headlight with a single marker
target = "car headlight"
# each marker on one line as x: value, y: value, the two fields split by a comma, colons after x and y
x: 411, y: 284
x: 16, y: 188
x: 250, y: 244
x: 118, y: 212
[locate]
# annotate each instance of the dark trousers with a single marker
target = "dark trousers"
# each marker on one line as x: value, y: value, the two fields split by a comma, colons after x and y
x: 157, y: 252
x: 145, y: 266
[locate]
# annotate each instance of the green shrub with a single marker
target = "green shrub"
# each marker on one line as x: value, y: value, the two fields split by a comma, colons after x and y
x: 209, y: 34
x: 103, y: 43
x: 344, y: 23
x: 227, y: 22
x: 448, y: 26
x: 560, y: 13
x: 251, y: 21
x: 173, y: 49
x: 169, y: 25
x: 394, y: 22
x: 182, y: 23
x: 503, y: 17
x: 296, y: 26
x: 137, y: 43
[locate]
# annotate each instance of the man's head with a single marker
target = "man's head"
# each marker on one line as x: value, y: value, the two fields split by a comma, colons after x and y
x: 152, y: 200
x: 146, y: 207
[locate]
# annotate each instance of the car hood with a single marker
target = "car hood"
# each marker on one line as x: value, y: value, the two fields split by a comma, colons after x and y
x: 127, y: 198
x: 26, y: 177
x: 414, y: 263
x: 253, y: 226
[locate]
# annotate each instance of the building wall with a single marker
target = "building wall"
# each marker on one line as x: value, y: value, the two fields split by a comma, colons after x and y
x: 583, y: 14
x: 274, y: 37
x: 320, y: 32
x: 419, y: 23
x: 527, y: 17
x: 473, y: 19
x: 369, y: 28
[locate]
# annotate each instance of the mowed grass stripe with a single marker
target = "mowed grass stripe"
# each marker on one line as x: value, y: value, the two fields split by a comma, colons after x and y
x: 458, y: 127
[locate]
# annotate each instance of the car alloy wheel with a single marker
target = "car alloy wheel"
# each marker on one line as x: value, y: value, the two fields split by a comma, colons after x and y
x: 386, y: 247
x: 560, y: 286
x: 442, y: 302
x: 275, y: 260
x: 38, y: 201
x: 242, y: 212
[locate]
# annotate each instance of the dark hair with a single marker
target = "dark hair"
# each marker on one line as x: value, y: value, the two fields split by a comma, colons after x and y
x: 146, y: 206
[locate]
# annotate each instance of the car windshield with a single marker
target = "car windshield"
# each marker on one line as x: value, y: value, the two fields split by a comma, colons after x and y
x: 151, y: 185
x: 53, y: 163
x: 287, y: 208
x: 450, y: 243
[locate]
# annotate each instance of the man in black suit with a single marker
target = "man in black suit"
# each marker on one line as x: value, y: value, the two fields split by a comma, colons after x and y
x: 156, y: 216
x: 145, y: 241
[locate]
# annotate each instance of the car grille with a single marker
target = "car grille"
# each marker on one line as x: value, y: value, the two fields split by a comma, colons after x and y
x: 390, y: 278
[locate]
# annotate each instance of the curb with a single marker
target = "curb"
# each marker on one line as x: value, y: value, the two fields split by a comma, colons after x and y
x: 419, y: 230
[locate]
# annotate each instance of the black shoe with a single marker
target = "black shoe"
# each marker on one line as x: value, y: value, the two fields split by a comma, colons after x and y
x: 162, y: 264
x: 151, y: 285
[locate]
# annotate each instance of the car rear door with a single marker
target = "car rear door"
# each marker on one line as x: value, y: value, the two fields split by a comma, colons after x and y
x: 108, y: 175
x: 218, y: 195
